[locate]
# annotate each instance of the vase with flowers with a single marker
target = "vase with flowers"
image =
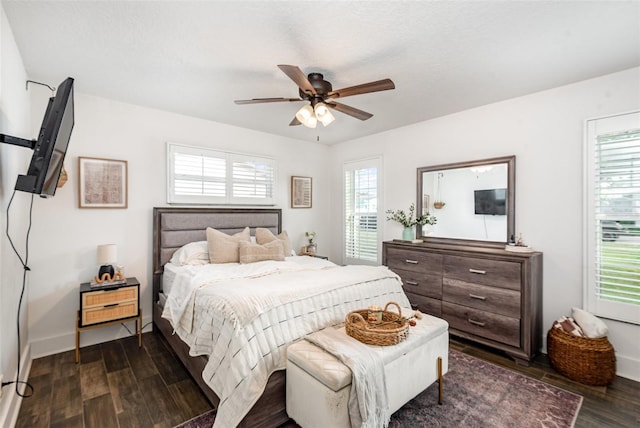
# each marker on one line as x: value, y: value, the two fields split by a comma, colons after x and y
x: 312, y: 247
x: 408, y: 221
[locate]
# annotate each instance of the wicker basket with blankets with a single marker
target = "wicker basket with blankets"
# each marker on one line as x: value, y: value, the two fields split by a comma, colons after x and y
x: 588, y: 360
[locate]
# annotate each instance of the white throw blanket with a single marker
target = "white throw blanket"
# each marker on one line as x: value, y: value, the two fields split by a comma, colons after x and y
x: 368, y: 402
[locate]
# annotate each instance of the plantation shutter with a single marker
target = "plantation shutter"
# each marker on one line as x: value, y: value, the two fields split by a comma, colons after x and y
x: 252, y: 180
x: 361, y: 195
x: 613, y: 217
x: 197, y: 175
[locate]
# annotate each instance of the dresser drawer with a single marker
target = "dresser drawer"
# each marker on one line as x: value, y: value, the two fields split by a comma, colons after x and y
x: 481, y: 323
x: 426, y: 305
x: 495, y: 273
x: 109, y: 312
x: 107, y: 297
x: 491, y: 299
x: 414, y: 261
x: 428, y: 285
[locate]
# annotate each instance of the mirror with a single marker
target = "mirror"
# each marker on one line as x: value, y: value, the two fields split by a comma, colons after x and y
x: 474, y: 202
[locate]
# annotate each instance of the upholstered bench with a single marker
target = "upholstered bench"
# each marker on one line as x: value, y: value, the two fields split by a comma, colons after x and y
x: 318, y: 384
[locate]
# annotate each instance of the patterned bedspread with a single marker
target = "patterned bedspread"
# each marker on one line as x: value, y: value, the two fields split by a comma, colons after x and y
x: 244, y: 325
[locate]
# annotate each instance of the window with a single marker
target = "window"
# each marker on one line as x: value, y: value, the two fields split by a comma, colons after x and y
x: 613, y: 217
x: 362, y: 184
x: 198, y: 175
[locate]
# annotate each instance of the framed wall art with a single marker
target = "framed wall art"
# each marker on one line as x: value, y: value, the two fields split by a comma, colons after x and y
x: 102, y: 183
x: 300, y: 192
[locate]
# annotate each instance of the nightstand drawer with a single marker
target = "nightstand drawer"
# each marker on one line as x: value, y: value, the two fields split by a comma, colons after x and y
x: 109, y: 312
x: 108, y: 297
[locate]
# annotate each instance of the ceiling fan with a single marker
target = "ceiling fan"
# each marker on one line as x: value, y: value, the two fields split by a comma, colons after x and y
x: 320, y: 94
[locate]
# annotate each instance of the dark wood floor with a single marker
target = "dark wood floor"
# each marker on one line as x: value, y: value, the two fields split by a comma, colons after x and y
x: 118, y: 384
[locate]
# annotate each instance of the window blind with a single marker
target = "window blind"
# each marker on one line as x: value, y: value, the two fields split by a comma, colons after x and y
x: 204, y: 176
x: 361, y: 195
x: 614, y: 218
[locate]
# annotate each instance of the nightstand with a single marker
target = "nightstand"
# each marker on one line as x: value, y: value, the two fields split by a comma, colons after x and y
x: 108, y: 305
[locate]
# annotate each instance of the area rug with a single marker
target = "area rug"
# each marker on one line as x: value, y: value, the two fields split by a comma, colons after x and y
x: 477, y: 394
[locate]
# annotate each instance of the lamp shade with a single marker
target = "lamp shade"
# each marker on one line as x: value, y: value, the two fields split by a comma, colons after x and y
x: 323, y: 114
x: 107, y: 254
x: 307, y: 117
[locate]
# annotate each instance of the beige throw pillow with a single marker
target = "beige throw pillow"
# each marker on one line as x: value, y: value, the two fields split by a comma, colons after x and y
x: 264, y: 236
x: 224, y: 248
x: 250, y: 253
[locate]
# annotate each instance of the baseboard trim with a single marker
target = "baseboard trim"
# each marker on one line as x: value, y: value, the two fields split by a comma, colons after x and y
x: 67, y: 341
x: 628, y: 367
x: 10, y: 402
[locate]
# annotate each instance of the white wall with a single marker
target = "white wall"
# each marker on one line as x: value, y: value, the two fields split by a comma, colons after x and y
x: 14, y: 121
x: 64, y: 237
x: 545, y: 132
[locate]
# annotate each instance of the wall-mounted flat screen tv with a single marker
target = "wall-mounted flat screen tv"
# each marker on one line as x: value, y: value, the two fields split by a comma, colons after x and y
x: 51, y: 146
x: 491, y: 201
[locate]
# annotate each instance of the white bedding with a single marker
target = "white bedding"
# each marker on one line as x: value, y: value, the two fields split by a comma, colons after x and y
x: 169, y: 276
x: 243, y: 317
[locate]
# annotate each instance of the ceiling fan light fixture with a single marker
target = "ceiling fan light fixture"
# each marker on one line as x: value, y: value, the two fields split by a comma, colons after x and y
x: 307, y: 117
x: 323, y: 114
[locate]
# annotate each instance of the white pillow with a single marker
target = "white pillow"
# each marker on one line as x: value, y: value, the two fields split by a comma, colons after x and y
x: 591, y: 325
x: 193, y: 253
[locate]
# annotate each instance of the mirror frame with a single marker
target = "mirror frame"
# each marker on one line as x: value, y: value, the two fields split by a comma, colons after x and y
x: 511, y: 199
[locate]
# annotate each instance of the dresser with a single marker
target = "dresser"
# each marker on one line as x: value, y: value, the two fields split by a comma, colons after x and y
x: 487, y: 295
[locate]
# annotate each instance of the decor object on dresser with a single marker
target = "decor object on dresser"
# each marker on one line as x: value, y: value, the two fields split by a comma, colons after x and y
x: 301, y: 192
x: 409, y: 222
x: 487, y: 295
x: 102, y: 183
x: 109, y: 305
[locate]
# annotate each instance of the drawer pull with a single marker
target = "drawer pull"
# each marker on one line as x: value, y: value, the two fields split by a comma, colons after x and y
x: 478, y: 323
x: 478, y: 271
x: 111, y: 305
x: 411, y: 283
x: 475, y: 296
x: 413, y: 262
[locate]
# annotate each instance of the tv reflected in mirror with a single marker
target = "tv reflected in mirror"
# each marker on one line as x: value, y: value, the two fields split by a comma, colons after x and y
x: 490, y: 201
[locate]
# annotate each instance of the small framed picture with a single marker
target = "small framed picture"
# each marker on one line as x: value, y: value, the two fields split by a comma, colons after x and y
x: 300, y: 192
x: 102, y: 183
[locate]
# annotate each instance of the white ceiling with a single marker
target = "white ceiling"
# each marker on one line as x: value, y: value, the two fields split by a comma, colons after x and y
x: 195, y: 58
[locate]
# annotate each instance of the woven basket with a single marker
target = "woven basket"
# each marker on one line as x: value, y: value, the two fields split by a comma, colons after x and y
x: 393, y: 328
x: 583, y: 359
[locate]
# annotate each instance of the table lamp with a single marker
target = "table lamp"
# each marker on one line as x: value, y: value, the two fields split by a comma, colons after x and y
x: 107, y: 256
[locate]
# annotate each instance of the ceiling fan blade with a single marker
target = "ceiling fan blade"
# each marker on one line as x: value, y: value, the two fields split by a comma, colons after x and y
x: 295, y: 122
x: 379, y: 85
x: 351, y: 111
x: 298, y: 77
x: 266, y: 100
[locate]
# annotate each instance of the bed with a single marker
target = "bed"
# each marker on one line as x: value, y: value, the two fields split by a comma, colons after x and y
x: 263, y: 399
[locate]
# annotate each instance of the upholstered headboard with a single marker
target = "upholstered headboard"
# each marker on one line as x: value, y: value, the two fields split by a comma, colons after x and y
x: 175, y: 227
